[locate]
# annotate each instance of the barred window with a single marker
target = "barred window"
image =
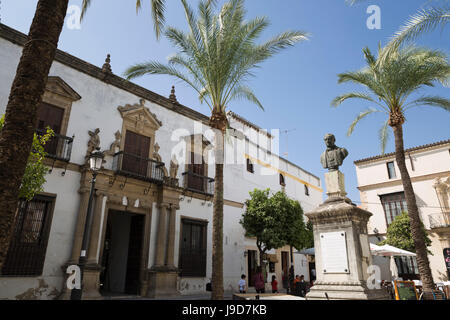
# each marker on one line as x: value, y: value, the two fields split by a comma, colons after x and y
x: 393, y: 204
x: 28, y: 245
x: 193, y: 248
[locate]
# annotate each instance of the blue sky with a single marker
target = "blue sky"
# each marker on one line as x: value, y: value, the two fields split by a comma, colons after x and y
x: 295, y: 87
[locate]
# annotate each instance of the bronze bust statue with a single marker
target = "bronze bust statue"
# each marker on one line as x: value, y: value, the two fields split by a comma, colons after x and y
x: 334, y: 156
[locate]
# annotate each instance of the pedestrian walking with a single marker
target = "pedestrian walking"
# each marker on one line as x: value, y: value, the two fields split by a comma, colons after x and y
x: 274, y: 284
x: 242, y: 284
x: 259, y: 281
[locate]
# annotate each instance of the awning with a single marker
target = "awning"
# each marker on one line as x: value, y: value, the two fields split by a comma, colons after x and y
x: 310, y: 251
x: 389, y: 251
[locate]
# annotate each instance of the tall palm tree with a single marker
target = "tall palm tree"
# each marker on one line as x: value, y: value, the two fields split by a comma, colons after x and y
x: 29, y: 84
x: 17, y: 134
x: 390, y: 85
x: 216, y: 58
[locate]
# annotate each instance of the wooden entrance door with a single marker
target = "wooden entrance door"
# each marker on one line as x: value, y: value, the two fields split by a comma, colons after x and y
x: 132, y: 282
x: 136, y: 153
x: 252, y: 266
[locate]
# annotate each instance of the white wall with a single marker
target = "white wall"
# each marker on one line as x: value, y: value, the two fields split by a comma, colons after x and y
x: 98, y: 109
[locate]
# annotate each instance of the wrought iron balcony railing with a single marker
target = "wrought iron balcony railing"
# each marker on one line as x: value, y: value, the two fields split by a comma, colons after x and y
x: 439, y: 220
x: 198, y: 183
x: 58, y: 147
x: 139, y: 168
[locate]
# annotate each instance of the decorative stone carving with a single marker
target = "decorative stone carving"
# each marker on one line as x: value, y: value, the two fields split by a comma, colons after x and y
x: 115, y: 146
x: 94, y: 142
x: 107, y: 66
x: 173, y: 167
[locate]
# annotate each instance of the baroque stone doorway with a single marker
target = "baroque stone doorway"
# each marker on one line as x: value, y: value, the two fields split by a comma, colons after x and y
x: 122, y: 253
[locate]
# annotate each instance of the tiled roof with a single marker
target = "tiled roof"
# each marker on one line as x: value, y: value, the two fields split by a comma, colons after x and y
x: 387, y: 155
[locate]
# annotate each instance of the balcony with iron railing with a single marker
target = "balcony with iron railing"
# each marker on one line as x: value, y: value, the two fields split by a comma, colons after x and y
x: 58, y: 147
x: 198, y: 183
x: 439, y: 220
x: 139, y: 168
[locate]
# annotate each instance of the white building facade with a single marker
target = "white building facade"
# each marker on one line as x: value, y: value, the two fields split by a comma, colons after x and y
x: 152, y: 212
x: 381, y: 193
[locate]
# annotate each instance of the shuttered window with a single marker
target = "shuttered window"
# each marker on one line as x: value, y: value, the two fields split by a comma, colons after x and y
x: 197, y: 181
x: 193, y: 248
x: 136, y: 153
x: 28, y: 245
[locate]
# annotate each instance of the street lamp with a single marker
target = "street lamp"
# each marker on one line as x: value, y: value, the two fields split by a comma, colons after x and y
x: 95, y: 164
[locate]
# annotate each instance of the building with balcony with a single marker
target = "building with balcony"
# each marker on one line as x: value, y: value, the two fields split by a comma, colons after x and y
x: 152, y: 210
x: 381, y: 193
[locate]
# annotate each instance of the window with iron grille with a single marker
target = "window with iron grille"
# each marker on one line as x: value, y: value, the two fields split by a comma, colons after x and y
x: 407, y: 267
x: 393, y: 204
x: 193, y: 248
x: 28, y: 245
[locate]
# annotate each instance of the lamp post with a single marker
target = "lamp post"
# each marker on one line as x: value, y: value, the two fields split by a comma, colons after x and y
x: 95, y: 164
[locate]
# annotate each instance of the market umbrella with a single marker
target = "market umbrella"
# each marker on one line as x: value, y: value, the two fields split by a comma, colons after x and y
x: 391, y: 251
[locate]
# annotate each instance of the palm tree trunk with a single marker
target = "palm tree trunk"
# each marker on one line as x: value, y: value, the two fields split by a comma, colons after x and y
x: 413, y: 212
x: 16, y: 136
x: 219, y: 122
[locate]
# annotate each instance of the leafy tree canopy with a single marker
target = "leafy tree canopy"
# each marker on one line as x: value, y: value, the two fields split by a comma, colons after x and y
x: 399, y: 234
x: 275, y: 221
x: 35, y: 171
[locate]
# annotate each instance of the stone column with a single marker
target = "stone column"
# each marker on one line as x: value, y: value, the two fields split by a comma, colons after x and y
x: 160, y: 242
x: 78, y: 235
x: 96, y: 233
x: 171, y: 241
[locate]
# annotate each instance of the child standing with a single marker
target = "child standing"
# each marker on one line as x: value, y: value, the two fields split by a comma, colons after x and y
x: 274, y: 284
x: 242, y: 284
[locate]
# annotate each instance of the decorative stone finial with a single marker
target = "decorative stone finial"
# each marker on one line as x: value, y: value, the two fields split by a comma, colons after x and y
x: 107, y: 66
x: 172, y: 96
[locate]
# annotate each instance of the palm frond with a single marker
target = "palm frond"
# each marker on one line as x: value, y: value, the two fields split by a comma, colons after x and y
x: 244, y: 92
x: 425, y: 20
x: 384, y: 136
x: 433, y: 101
x: 360, y: 116
x: 84, y: 6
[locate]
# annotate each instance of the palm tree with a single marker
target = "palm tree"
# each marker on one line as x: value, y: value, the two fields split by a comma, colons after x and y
x: 216, y: 58
x: 29, y: 84
x: 390, y: 85
x: 16, y: 137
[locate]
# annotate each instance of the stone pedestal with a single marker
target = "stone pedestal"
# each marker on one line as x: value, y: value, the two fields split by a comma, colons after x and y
x: 342, y: 250
x: 162, y: 282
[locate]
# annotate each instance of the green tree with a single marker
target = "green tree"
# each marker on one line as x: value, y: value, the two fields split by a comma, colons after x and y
x: 399, y: 234
x: 263, y: 220
x: 216, y: 58
x: 275, y: 221
x: 34, y: 177
x: 390, y: 85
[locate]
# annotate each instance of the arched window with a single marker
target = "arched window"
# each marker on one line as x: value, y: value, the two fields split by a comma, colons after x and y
x: 306, y: 190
